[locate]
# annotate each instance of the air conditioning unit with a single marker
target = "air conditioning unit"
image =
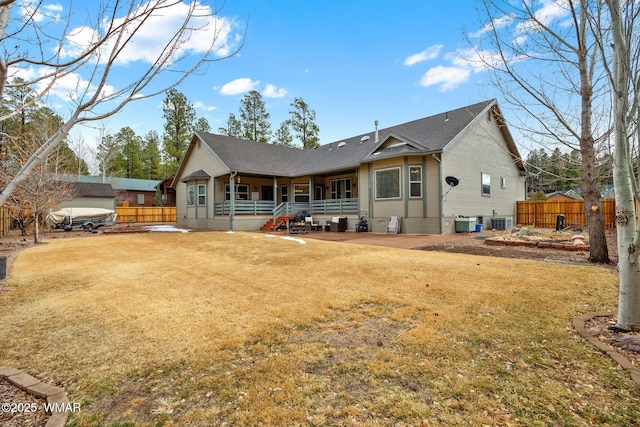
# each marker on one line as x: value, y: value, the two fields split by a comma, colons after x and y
x: 501, y: 223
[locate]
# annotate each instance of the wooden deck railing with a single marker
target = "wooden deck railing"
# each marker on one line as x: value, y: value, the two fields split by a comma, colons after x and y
x: 543, y: 213
x: 145, y: 214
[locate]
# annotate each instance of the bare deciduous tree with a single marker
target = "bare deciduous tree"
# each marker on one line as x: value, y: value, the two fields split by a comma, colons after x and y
x: 545, y: 61
x: 86, y: 58
x: 40, y: 191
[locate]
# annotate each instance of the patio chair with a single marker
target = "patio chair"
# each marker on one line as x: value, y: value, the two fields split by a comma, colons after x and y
x: 314, y: 225
x: 338, y: 224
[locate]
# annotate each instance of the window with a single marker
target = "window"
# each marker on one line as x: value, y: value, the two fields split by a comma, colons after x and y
x: 486, y: 184
x: 341, y: 188
x: 242, y: 192
x: 202, y: 195
x: 141, y: 199
x: 503, y: 182
x: 284, y: 193
x: 388, y: 183
x: 191, y: 195
x: 301, y: 193
x: 415, y: 181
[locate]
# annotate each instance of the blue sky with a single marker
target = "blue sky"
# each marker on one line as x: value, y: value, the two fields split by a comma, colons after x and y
x: 353, y: 62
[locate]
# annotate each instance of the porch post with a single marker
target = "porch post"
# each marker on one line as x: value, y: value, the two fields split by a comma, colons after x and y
x: 232, y: 196
x: 311, y: 193
x: 275, y: 198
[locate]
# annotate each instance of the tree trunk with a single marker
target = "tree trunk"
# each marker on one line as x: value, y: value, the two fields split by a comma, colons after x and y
x: 36, y: 233
x: 628, y: 268
x: 623, y: 176
x: 598, y: 250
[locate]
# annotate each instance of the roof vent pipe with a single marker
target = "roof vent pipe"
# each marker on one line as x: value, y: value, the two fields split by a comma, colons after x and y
x: 376, y: 123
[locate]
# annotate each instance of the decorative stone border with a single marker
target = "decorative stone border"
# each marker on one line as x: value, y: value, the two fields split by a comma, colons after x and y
x: 32, y: 385
x: 579, y: 326
x: 537, y: 244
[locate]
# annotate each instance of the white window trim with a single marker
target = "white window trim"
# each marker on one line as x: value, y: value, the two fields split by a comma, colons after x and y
x: 204, y: 194
x: 227, y: 191
x: 482, y: 184
x: 415, y: 182
x: 399, y: 197
x: 334, y: 188
x: 191, y: 189
x: 296, y: 194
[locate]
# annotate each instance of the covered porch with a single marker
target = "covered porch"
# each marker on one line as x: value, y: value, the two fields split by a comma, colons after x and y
x: 273, y: 199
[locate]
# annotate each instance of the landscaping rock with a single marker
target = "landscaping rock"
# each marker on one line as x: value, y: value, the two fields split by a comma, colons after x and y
x: 632, y: 342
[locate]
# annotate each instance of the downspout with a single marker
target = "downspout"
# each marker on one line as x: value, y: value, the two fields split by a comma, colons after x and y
x: 406, y: 187
x: 370, y: 190
x: 232, y: 196
x: 440, y: 201
x: 424, y: 187
x: 275, y: 199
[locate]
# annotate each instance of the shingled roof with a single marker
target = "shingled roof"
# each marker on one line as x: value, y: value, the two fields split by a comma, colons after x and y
x: 428, y: 135
x: 90, y: 189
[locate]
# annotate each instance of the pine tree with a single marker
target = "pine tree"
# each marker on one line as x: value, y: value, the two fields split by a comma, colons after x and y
x: 150, y: 156
x: 254, y: 118
x: 130, y: 147
x: 303, y: 124
x: 179, y: 116
x: 202, y: 125
x: 233, y: 129
x: 283, y: 135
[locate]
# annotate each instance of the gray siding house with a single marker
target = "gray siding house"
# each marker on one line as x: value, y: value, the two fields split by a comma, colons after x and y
x: 90, y: 195
x: 405, y: 170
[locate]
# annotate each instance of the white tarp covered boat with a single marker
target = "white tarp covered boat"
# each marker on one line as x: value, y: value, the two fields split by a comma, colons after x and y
x: 87, y: 218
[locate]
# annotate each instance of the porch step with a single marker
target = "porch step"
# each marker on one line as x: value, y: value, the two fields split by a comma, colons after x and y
x: 270, y: 225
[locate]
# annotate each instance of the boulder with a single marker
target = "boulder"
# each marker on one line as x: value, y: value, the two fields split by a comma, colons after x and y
x: 632, y: 342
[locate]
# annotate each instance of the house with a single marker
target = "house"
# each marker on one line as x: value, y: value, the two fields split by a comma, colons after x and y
x: 168, y: 193
x: 429, y: 172
x: 129, y: 191
x: 90, y: 195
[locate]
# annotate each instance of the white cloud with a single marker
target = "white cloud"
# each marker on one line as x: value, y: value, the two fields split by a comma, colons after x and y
x: 271, y: 91
x: 497, y: 24
x: 431, y: 52
x: 199, y: 105
x: 78, y: 41
x: 551, y: 10
x: 238, y: 86
x: 447, y: 78
x: 39, y: 12
x: 71, y: 86
x: 150, y: 39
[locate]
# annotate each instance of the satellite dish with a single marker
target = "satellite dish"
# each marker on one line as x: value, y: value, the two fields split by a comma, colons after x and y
x: 452, y: 181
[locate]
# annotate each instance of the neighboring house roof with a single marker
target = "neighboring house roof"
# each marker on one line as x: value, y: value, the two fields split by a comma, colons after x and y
x: 130, y: 184
x: 428, y: 135
x: 569, y: 194
x: 91, y: 189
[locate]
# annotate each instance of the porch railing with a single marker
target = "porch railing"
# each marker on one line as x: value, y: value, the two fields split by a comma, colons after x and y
x: 245, y: 207
x: 334, y: 206
x: 267, y: 207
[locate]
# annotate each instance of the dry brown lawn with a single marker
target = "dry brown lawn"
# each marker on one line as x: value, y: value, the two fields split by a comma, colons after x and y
x: 243, y: 329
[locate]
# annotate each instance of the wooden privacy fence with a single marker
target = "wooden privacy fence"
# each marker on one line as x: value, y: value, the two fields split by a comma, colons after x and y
x: 543, y: 213
x: 145, y: 214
